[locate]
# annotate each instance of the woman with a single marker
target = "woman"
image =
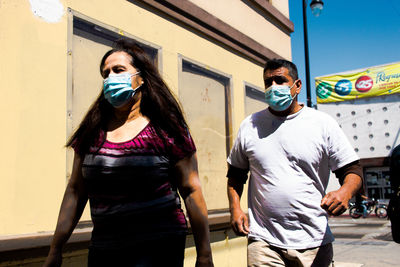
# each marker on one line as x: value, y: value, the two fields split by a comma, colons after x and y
x: 133, y: 151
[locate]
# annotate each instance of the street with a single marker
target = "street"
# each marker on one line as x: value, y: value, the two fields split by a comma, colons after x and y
x: 363, y: 242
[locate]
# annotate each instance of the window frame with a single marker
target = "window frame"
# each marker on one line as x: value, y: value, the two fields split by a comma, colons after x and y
x: 254, y: 87
x: 213, y: 73
x: 218, y: 218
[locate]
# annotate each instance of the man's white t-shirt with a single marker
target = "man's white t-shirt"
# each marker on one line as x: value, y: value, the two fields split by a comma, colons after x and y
x: 290, y: 159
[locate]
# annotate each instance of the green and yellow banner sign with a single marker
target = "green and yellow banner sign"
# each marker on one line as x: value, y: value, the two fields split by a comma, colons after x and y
x: 373, y: 81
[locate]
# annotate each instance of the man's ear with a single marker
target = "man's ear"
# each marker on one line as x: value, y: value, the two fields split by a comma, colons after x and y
x: 298, y: 86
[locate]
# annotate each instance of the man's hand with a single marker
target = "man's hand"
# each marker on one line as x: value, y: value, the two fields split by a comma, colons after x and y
x: 239, y: 222
x: 336, y: 202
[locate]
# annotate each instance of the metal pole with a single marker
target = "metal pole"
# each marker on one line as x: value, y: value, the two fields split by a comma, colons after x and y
x: 309, y: 103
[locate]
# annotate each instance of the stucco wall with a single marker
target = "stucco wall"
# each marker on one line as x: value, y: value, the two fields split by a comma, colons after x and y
x: 33, y: 72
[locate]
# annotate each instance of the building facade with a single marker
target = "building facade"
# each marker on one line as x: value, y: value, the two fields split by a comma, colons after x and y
x: 210, y: 53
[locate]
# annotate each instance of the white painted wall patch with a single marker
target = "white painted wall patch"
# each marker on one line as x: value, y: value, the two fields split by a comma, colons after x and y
x: 48, y: 10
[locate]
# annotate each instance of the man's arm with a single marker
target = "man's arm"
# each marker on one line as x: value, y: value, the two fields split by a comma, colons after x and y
x: 236, y: 179
x: 350, y: 177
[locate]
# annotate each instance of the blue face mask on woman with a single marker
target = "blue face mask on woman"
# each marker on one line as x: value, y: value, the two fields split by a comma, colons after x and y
x: 118, y: 89
x: 278, y: 97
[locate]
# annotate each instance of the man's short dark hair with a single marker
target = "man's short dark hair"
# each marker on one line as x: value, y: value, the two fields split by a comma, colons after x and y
x: 277, y: 63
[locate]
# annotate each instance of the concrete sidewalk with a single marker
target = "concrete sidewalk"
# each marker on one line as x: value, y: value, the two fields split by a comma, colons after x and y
x: 364, y: 242
x: 354, y: 253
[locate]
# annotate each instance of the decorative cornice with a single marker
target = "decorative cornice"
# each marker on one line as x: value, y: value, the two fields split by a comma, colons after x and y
x: 205, y: 23
x: 274, y: 13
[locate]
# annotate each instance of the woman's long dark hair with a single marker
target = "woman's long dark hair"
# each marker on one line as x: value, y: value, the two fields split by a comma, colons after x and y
x: 157, y: 103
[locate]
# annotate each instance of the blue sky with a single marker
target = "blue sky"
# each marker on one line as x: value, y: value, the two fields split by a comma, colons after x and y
x: 348, y: 35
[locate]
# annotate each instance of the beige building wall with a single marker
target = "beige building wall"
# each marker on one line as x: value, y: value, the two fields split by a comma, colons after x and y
x: 36, y: 84
x: 282, y: 6
x: 33, y: 71
x: 252, y: 22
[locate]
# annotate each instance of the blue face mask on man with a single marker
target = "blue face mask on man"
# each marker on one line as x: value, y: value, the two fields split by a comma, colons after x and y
x: 278, y: 97
x: 118, y: 89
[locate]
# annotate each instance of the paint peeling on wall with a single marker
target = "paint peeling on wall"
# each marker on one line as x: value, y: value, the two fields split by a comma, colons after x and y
x: 48, y: 10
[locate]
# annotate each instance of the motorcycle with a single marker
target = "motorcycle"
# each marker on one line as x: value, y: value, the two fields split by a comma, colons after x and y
x: 356, y: 210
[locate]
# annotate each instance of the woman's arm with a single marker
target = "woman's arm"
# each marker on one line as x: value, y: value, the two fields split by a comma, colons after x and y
x: 72, y: 206
x: 190, y: 190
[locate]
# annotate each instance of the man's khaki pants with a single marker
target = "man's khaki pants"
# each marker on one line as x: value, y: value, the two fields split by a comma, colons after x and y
x: 260, y: 253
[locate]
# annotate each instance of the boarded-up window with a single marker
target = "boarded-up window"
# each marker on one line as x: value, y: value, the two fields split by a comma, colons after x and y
x: 254, y: 100
x: 205, y: 97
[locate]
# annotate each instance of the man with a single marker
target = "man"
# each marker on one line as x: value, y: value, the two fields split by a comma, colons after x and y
x: 362, y: 202
x: 289, y: 150
x: 394, y: 204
